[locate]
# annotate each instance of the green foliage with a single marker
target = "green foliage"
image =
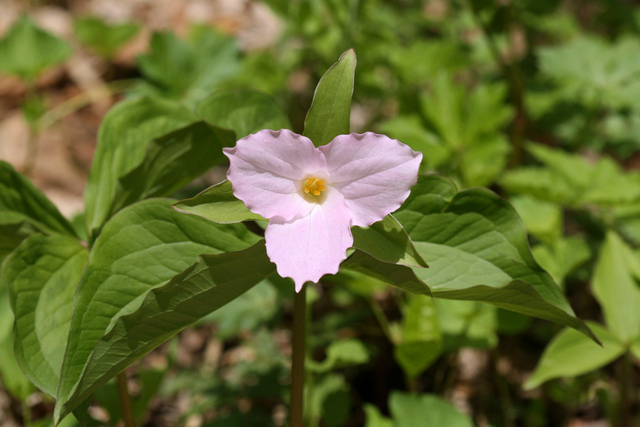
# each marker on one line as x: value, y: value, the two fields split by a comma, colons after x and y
x: 411, y: 410
x: 187, y: 70
x: 477, y: 250
x: 103, y: 38
x: 571, y: 353
x: 165, y: 242
x: 330, y: 111
x: 420, y: 339
x: 122, y: 143
x: 24, y: 210
x: 26, y: 50
x: 243, y: 111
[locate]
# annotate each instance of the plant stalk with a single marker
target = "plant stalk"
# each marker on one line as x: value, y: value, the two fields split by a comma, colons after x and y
x: 125, y: 400
x: 296, y: 409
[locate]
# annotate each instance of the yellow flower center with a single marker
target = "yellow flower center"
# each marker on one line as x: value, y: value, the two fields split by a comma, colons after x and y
x: 314, y: 186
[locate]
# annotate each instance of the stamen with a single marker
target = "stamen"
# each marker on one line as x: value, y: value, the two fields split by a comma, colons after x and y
x: 314, y: 186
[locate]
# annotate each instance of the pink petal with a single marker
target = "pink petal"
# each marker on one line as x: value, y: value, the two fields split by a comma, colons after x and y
x: 307, y: 248
x: 266, y: 169
x: 373, y: 172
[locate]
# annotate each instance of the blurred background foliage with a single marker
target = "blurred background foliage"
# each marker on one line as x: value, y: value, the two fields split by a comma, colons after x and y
x: 538, y: 100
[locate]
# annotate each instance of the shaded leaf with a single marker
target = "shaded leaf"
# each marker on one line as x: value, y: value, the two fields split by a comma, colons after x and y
x: 410, y: 410
x: 171, y: 162
x: 387, y: 241
x: 122, y: 142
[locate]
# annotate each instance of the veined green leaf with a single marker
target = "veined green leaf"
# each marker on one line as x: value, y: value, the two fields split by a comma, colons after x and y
x: 570, y: 354
x: 122, y: 142
x: 218, y: 204
x: 172, y: 161
x: 143, y: 247
x: 477, y: 249
x: 330, y: 112
x: 42, y: 274
x: 210, y: 283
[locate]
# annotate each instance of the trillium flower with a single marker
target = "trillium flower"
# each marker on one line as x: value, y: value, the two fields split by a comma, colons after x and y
x: 312, y: 196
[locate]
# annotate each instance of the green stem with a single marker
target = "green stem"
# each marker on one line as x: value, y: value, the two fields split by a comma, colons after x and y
x: 296, y: 410
x: 624, y: 384
x: 125, y: 400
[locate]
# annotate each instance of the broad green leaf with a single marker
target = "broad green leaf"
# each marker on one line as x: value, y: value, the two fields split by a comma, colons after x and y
x: 142, y: 248
x: 570, y: 354
x: 634, y: 348
x: 243, y: 111
x: 12, y: 378
x: 26, y: 50
x: 410, y: 410
x: 171, y: 162
x: 615, y: 286
x: 477, y: 250
x: 210, y: 283
x: 341, y: 353
x: 122, y: 142
x: 387, y: 241
x: 394, y: 274
x: 103, y: 38
x: 420, y: 333
x: 375, y: 418
x: 42, y: 274
x: 541, y: 183
x: 218, y: 204
x: 24, y: 209
x: 188, y: 70
x: 574, y: 169
x: 423, y: 60
x: 330, y: 112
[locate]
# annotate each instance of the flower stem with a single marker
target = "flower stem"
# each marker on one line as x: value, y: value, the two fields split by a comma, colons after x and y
x: 125, y: 401
x: 296, y: 409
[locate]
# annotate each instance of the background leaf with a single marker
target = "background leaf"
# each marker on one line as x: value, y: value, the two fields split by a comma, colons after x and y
x: 103, y: 38
x: 26, y: 50
x: 410, y: 410
x: 570, y: 354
